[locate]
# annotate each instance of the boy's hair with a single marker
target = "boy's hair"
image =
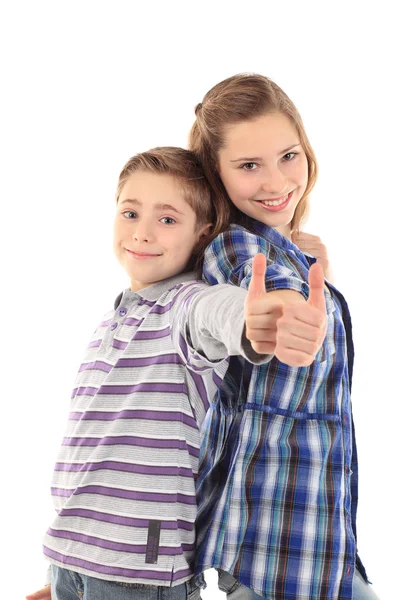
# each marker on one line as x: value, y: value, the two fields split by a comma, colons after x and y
x: 244, y: 97
x: 186, y: 169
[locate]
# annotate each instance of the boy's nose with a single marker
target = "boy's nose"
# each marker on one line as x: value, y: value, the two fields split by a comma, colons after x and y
x: 143, y: 233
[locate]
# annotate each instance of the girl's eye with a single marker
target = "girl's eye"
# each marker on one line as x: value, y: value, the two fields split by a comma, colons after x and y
x: 289, y: 156
x: 249, y: 166
x: 129, y: 214
x: 168, y: 221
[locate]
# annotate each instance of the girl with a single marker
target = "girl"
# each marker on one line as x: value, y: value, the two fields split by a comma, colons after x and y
x: 277, y: 489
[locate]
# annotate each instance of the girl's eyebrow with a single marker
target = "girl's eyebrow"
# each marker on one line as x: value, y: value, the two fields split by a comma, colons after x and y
x: 257, y: 158
x: 158, y: 206
x: 246, y: 159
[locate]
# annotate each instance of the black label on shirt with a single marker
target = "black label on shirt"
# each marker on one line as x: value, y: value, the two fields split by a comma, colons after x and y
x: 153, y: 539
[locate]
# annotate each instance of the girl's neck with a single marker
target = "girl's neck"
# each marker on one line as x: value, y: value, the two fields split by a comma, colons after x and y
x: 285, y: 231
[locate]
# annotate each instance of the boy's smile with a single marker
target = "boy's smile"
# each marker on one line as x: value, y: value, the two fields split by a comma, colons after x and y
x: 142, y: 255
x: 155, y: 231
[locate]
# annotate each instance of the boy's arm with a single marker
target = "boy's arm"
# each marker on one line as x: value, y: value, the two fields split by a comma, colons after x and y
x: 227, y: 321
x: 216, y: 324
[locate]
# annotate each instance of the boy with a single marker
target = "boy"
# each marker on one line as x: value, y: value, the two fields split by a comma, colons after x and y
x: 124, y: 483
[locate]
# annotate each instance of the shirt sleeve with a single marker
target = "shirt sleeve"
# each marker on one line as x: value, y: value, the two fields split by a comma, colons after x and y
x: 209, y: 326
x: 228, y: 259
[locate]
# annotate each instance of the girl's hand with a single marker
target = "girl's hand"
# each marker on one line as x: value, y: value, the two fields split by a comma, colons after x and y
x: 302, y: 328
x: 44, y: 594
x: 313, y: 245
x: 262, y: 310
x: 293, y: 331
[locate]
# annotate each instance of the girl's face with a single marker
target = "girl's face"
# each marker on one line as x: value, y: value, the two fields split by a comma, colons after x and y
x: 264, y: 169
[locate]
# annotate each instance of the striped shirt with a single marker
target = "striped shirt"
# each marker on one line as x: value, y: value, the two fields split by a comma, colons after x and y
x: 277, y: 487
x: 124, y: 482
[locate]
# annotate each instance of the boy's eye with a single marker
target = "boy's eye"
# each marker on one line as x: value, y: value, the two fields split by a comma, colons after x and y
x: 130, y: 214
x: 168, y: 221
x: 249, y: 166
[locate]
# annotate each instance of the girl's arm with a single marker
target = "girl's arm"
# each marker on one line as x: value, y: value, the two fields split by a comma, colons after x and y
x: 225, y: 321
x: 229, y: 259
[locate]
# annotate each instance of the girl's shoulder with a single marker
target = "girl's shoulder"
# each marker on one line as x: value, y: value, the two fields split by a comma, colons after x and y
x: 239, y: 241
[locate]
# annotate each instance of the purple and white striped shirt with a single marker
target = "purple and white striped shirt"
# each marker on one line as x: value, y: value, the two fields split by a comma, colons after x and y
x: 124, y: 482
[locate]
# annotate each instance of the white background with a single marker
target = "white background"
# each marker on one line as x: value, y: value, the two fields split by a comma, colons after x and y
x: 84, y: 86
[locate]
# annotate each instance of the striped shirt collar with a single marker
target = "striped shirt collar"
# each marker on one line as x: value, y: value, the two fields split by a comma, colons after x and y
x: 153, y: 292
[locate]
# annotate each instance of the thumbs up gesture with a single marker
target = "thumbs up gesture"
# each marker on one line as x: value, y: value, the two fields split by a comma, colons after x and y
x: 291, y: 330
x: 302, y: 328
x: 262, y: 310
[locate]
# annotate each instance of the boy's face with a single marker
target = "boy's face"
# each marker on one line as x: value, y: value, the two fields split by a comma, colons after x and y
x: 155, y: 229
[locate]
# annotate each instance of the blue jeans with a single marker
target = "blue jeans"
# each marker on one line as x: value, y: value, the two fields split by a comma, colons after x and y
x: 68, y: 585
x: 236, y: 591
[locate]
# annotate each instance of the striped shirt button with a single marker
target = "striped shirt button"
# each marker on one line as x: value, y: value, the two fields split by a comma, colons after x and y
x: 122, y: 312
x: 113, y: 326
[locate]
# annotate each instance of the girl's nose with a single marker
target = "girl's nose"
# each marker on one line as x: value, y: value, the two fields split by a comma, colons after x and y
x: 275, y: 182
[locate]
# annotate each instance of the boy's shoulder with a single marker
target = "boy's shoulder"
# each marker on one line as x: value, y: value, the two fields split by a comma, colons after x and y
x: 168, y: 290
x: 182, y: 288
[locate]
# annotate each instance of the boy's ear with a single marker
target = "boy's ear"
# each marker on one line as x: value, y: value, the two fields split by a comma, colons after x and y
x: 205, y: 230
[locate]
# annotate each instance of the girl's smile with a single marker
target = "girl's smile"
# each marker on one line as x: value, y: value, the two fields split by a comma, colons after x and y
x: 275, y: 204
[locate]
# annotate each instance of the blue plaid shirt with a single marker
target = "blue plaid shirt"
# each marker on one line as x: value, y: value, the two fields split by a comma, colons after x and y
x: 277, y: 488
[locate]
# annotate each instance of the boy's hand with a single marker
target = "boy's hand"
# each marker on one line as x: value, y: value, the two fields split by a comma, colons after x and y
x: 313, y: 245
x: 44, y: 594
x: 262, y: 310
x: 302, y: 328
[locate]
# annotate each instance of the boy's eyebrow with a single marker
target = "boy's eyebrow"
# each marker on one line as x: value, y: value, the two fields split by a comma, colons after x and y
x: 257, y: 158
x: 158, y: 206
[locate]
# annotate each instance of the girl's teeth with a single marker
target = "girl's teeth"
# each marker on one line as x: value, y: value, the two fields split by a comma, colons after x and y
x: 275, y: 202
